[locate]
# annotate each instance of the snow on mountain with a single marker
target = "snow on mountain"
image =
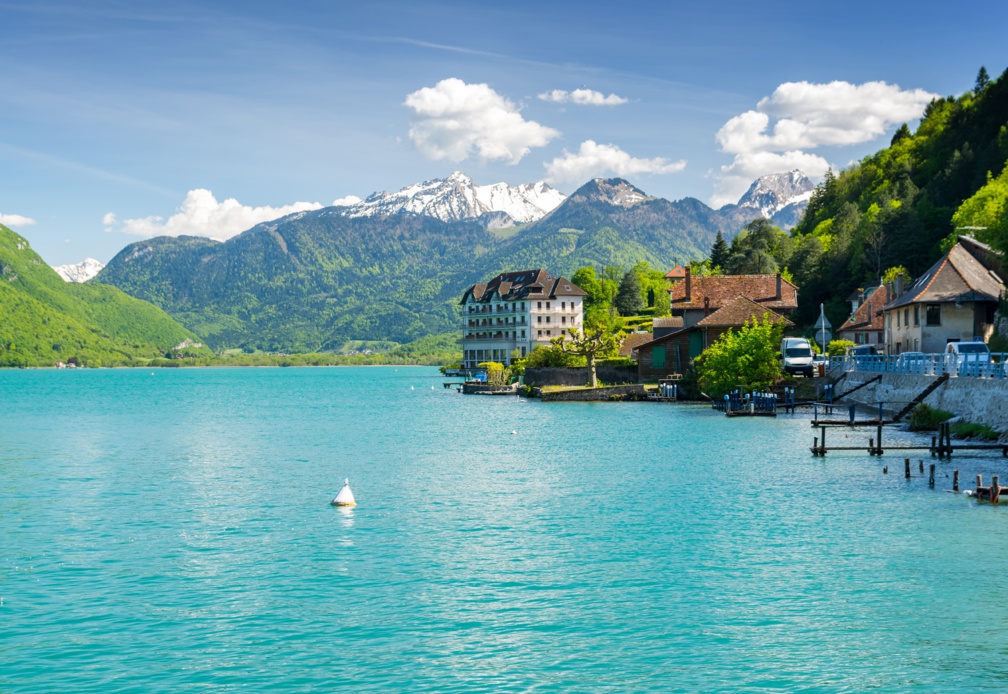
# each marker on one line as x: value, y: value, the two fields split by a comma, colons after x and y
x: 457, y: 197
x: 81, y: 272
x: 772, y: 193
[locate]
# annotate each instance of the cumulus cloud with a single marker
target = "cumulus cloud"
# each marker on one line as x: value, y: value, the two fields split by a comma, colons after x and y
x: 202, y: 215
x: 347, y: 200
x: 582, y: 97
x: 455, y: 120
x: 109, y: 219
x: 801, y: 116
x: 592, y: 160
x: 16, y: 220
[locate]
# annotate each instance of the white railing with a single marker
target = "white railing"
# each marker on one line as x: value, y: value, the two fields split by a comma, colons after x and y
x: 994, y: 366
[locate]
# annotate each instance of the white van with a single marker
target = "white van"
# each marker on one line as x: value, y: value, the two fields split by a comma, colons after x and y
x: 969, y: 358
x: 796, y: 356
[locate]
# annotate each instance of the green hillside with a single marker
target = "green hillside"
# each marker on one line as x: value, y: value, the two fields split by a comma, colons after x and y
x: 44, y: 319
x: 896, y: 207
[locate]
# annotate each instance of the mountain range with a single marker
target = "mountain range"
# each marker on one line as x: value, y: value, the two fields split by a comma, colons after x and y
x: 391, y: 267
x: 79, y: 272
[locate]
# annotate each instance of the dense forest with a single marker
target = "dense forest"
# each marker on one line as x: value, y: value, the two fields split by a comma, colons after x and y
x: 905, y: 205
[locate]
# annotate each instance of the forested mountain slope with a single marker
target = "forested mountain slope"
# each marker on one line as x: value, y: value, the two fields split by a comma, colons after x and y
x: 44, y: 319
x: 313, y: 280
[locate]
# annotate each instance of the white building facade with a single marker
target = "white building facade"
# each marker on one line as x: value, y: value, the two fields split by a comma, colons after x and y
x: 515, y: 312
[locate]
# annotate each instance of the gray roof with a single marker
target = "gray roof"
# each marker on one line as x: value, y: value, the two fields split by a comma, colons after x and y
x: 958, y: 276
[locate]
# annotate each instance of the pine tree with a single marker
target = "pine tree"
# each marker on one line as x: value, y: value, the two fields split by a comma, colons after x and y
x: 719, y: 252
x: 628, y: 299
x: 982, y: 80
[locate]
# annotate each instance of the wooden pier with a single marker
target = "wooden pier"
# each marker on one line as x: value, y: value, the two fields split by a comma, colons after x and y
x: 941, y: 445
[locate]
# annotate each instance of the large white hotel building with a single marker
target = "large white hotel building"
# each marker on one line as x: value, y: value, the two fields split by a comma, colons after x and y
x: 517, y: 311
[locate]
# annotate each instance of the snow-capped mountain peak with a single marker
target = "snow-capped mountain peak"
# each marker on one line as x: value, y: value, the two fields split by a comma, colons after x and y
x: 80, y: 272
x: 457, y: 197
x: 772, y: 193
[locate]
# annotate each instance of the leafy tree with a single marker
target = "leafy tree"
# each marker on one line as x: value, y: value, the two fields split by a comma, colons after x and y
x: 586, y: 278
x: 752, y: 251
x: 901, y: 133
x: 892, y: 273
x: 746, y: 358
x: 985, y: 214
x: 628, y: 299
x: 497, y: 373
x: 590, y: 344
x: 719, y: 252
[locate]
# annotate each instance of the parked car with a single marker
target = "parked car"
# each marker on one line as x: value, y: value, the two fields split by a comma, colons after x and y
x: 796, y: 356
x: 912, y: 363
x: 863, y: 355
x: 970, y: 358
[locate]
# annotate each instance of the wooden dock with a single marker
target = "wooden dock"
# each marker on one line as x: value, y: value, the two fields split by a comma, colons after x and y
x: 941, y: 445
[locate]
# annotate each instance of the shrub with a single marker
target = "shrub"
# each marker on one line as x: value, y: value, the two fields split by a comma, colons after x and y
x: 963, y: 430
x: 927, y: 418
x: 838, y: 348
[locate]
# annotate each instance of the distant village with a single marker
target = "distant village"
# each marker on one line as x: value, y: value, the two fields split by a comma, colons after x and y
x: 956, y: 300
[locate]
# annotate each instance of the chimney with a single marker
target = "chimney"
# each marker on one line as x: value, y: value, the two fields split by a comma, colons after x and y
x: 778, y: 287
x: 689, y: 284
x: 899, y: 285
x: 706, y: 306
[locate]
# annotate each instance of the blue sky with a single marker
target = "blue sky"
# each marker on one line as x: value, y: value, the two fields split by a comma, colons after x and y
x: 111, y: 113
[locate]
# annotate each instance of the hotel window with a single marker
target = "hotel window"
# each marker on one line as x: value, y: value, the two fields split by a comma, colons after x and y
x: 523, y: 306
x: 523, y: 337
x: 538, y: 319
x: 539, y: 305
x: 547, y: 306
x: 523, y: 350
x: 547, y: 333
x: 933, y: 314
x: 540, y: 333
x: 916, y: 315
x: 563, y: 305
x: 547, y: 319
x: 563, y: 319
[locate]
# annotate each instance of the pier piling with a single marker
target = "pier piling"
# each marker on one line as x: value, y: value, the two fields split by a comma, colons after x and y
x: 906, y: 468
x: 931, y: 476
x: 955, y: 480
x: 995, y: 490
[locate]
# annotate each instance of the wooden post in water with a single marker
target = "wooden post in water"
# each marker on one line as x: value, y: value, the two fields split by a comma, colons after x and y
x: 934, y: 446
x: 871, y: 446
x: 879, y: 440
x: 979, y: 484
x: 921, y: 465
x: 822, y: 442
x: 931, y: 476
x: 955, y: 480
x: 815, y: 445
x: 995, y: 491
x: 906, y: 468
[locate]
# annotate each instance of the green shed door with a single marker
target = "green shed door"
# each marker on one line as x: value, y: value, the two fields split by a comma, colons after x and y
x: 658, y: 357
x: 695, y: 344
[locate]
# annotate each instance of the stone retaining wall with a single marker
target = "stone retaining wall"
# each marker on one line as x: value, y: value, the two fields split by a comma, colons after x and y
x: 631, y: 392
x: 983, y: 400
x: 562, y: 376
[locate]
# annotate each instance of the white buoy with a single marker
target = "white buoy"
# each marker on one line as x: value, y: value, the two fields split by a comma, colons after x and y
x: 411, y: 387
x: 514, y: 433
x: 345, y: 496
x: 432, y: 387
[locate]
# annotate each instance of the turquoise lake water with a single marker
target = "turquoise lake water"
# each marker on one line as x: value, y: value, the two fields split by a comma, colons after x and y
x: 173, y: 531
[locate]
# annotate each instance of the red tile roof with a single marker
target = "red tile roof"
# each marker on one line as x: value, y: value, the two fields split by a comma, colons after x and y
x: 869, y: 314
x: 632, y: 342
x: 721, y: 289
x: 676, y: 273
x: 738, y: 312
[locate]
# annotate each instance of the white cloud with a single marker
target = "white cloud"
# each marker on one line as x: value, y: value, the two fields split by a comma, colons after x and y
x: 201, y: 215
x: 347, y: 200
x: 455, y: 120
x: 582, y: 97
x: 801, y: 116
x: 16, y: 220
x: 109, y: 219
x: 593, y: 159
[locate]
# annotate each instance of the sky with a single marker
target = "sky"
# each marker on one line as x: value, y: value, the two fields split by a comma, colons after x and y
x: 124, y: 120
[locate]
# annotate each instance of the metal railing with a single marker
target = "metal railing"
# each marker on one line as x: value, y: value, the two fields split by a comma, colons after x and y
x: 961, y: 366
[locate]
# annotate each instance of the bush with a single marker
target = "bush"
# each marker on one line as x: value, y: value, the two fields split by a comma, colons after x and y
x: 747, y: 358
x: 838, y: 348
x: 927, y: 418
x: 969, y: 430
